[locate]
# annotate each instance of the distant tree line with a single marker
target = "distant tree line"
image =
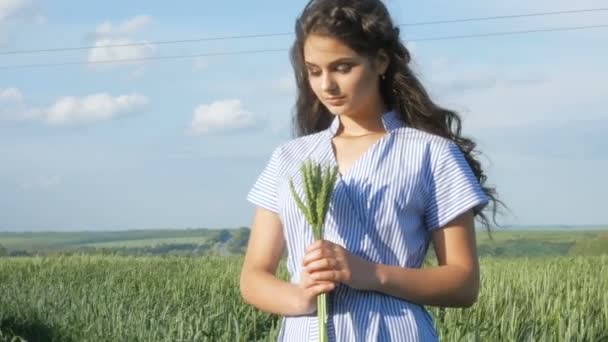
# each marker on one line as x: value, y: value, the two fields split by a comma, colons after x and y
x: 14, y: 253
x: 222, y: 242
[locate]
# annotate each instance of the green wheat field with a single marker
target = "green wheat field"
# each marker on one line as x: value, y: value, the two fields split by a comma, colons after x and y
x: 536, y: 286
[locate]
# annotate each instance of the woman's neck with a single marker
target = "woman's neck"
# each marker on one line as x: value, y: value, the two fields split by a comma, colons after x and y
x: 370, y: 122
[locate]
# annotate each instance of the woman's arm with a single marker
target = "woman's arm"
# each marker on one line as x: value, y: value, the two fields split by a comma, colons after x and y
x: 258, y: 282
x: 259, y: 285
x: 454, y: 283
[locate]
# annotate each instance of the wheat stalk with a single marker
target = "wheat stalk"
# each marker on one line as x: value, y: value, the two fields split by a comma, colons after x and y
x: 318, y: 187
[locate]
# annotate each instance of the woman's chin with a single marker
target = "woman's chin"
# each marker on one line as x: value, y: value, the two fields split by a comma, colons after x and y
x: 336, y: 109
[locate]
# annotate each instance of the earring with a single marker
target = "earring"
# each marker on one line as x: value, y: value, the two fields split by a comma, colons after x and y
x: 383, y: 77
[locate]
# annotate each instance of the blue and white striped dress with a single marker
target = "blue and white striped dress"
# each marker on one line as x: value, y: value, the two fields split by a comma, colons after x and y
x: 382, y: 209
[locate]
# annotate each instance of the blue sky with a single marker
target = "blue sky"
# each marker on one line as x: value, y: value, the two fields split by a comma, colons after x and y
x: 178, y: 143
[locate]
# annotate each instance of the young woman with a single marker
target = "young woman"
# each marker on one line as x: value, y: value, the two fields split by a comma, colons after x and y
x: 406, y: 178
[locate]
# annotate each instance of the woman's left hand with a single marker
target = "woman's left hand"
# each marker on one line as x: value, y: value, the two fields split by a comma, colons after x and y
x: 327, y: 261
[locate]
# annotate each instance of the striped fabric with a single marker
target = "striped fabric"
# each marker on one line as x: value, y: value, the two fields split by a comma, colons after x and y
x: 383, y: 209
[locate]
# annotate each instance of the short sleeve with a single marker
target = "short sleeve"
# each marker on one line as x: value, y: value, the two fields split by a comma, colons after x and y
x: 264, y: 192
x: 453, y: 188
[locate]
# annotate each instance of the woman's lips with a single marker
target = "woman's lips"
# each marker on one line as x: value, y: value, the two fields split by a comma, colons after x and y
x: 335, y: 100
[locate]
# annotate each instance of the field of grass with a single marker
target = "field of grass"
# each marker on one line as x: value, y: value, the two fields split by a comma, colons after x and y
x: 148, y: 242
x: 110, y: 298
x: 47, y: 241
x: 545, y: 243
x: 504, y: 243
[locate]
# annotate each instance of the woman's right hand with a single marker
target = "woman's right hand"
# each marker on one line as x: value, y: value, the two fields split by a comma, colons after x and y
x: 310, y: 289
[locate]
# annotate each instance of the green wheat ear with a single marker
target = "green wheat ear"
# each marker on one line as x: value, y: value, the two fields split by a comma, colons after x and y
x: 318, y: 184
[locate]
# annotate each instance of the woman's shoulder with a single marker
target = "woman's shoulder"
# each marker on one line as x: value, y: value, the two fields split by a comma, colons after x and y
x: 423, y: 140
x: 300, y: 145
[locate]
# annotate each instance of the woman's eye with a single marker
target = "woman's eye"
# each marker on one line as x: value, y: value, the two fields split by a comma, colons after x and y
x: 344, y: 68
x: 313, y: 72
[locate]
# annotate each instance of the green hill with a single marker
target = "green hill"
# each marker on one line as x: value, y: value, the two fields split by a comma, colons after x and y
x: 502, y: 243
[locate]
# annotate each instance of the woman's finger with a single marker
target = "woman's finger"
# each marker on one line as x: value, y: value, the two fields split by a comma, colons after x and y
x: 317, y: 254
x: 320, y: 288
x: 306, y: 279
x: 331, y: 275
x: 321, y: 264
x: 319, y: 282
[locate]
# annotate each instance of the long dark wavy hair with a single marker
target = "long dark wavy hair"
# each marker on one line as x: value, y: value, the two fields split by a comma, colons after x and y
x: 367, y: 28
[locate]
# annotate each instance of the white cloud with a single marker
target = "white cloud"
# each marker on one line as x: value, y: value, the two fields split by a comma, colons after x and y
x: 14, y: 11
x: 13, y: 106
x: 127, y: 27
x: 108, y: 35
x: 222, y: 116
x: 493, y: 95
x: 68, y: 110
x: 11, y: 95
x: 103, y: 50
x: 96, y: 107
x: 12, y: 8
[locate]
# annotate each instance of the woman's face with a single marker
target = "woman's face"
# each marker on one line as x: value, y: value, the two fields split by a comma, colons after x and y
x: 345, y: 82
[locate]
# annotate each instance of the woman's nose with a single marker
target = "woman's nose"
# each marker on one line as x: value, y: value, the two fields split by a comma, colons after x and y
x: 328, y: 84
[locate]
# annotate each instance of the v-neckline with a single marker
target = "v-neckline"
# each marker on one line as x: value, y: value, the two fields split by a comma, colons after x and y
x: 344, y: 176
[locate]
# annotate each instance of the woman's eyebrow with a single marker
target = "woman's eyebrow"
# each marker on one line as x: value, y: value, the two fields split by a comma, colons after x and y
x: 337, y: 61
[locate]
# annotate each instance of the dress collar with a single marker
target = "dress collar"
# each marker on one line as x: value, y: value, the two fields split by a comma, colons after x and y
x: 390, y: 120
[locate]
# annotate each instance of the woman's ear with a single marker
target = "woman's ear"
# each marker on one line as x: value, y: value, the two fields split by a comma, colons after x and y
x: 382, y: 61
